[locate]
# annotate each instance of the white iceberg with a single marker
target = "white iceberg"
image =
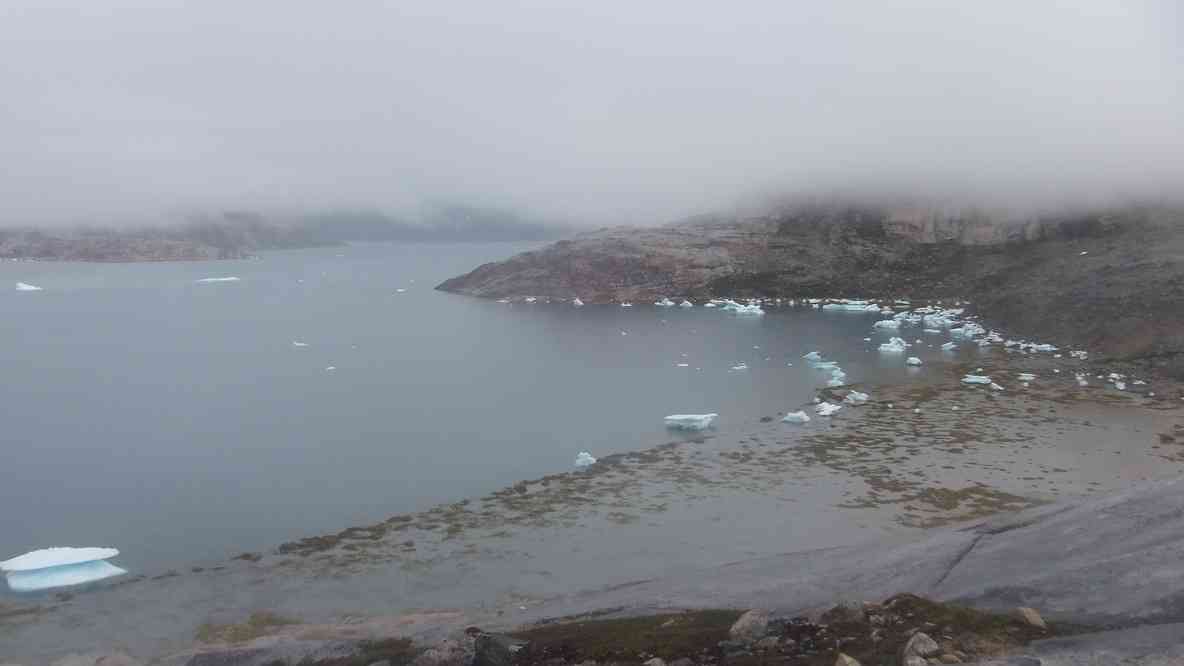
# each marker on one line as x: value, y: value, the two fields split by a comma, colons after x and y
x: 827, y: 408
x: 691, y: 421
x: 887, y: 323
x: 895, y: 346
x: 584, y: 459
x: 912, y: 360
x: 25, y: 286
x: 218, y: 279
x: 796, y: 417
x: 976, y: 379
x: 577, y: 302
x: 812, y: 356
x: 686, y: 304
x: 856, y: 398
x: 664, y: 303
x: 59, y: 567
x: 949, y: 346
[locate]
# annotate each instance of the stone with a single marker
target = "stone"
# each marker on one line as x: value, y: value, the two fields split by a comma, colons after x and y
x: 656, y: 661
x: 914, y: 660
x: 768, y: 643
x: 948, y: 658
x: 751, y: 626
x: 1030, y: 617
x: 845, y: 660
x: 920, y: 645
x: 496, y: 650
x: 445, y: 653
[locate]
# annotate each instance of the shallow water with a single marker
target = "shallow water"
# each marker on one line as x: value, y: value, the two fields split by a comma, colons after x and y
x: 177, y: 421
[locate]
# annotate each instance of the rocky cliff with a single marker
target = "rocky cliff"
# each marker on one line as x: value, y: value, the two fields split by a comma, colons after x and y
x: 1111, y: 281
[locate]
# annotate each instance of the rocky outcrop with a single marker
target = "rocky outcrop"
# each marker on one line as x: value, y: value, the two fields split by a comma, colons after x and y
x: 1111, y: 282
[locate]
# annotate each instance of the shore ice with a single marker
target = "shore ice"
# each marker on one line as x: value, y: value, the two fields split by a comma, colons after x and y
x: 976, y: 379
x: 691, y: 421
x: 584, y: 459
x: 796, y: 417
x: 827, y: 408
x: 895, y: 345
x: 856, y: 398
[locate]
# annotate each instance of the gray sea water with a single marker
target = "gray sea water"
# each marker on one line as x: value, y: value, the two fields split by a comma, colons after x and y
x: 177, y: 421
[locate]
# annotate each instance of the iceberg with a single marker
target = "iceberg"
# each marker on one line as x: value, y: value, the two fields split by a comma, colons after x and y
x: 584, y: 459
x: 25, y: 286
x: 895, y: 345
x: 949, y: 346
x: 887, y: 323
x: 576, y: 301
x: 976, y: 379
x: 686, y: 304
x: 59, y: 567
x: 691, y: 421
x: 664, y: 303
x: 218, y: 279
x: 856, y: 398
x: 796, y: 417
x: 827, y: 408
x: 912, y: 360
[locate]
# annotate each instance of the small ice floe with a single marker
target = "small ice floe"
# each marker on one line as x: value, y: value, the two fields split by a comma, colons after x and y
x: 709, y: 305
x: 894, y: 346
x: 1026, y: 377
x: 624, y: 332
x: 949, y: 346
x: 218, y: 279
x: 976, y: 379
x: 530, y: 299
x: 577, y: 302
x: 746, y: 309
x: 686, y: 304
x: 912, y: 360
x: 1056, y: 371
x: 59, y: 567
x: 1120, y: 385
x: 812, y: 356
x: 887, y: 323
x: 626, y: 304
x: 1083, y: 253
x: 1139, y: 382
x: 297, y: 343
x: 796, y: 417
x: 503, y: 300
x: 932, y: 331
x: 1079, y: 355
x: 691, y: 421
x: 827, y: 408
x: 664, y: 303
x: 916, y: 410
x: 834, y: 382
x: 996, y: 386
x: 25, y: 286
x: 867, y: 339
x: 824, y: 365
x: 741, y: 366
x: 838, y: 373
x: 330, y: 368
x: 684, y: 365
x: 584, y: 459
x: 1081, y: 380
x: 856, y: 398
x: 400, y: 291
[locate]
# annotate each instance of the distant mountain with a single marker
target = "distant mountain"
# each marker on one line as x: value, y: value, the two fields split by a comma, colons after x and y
x: 236, y: 235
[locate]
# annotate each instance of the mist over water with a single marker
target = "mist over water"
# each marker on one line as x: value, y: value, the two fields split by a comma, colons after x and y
x: 613, y: 112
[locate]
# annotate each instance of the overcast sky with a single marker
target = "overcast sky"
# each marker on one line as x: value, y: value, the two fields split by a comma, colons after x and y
x: 610, y: 111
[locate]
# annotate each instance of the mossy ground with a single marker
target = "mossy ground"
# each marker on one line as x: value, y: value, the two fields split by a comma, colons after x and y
x: 258, y: 624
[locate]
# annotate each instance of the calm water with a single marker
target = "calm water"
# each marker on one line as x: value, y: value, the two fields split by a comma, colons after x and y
x: 177, y: 421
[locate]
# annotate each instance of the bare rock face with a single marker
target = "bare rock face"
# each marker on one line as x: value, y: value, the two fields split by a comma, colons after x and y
x: 1030, y: 617
x: 752, y: 626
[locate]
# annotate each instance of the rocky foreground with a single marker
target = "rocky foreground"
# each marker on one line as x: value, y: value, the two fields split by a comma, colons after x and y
x: 1109, y: 281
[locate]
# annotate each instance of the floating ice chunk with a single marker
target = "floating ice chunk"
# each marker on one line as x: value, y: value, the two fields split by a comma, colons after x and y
x: 1083, y: 253
x: 684, y: 365
x: 996, y: 386
x: 912, y: 360
x: 949, y: 346
x: 25, y: 286
x: 867, y: 339
x: 748, y: 310
x: 62, y: 576
x: 530, y: 299
x: 626, y: 304
x: 1139, y: 382
x: 856, y: 398
x: 330, y: 368
x: 709, y: 305
x: 1081, y: 380
x: 827, y: 408
x: 895, y: 345
x: 824, y: 365
x: 838, y: 373
x: 664, y: 303
x: 217, y: 279
x: 400, y: 291
x: 1121, y: 386
x: 932, y: 331
x: 976, y: 379
x: 887, y: 323
x: 577, y: 302
x: 796, y: 417
x: 1026, y: 377
x: 742, y: 366
x: 297, y: 343
x: 584, y: 459
x: 834, y: 382
x: 1080, y: 355
x: 812, y: 356
x: 686, y: 304
x: 691, y: 421
x: 56, y: 557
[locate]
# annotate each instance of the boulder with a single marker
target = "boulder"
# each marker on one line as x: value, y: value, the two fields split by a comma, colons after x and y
x: 751, y: 626
x: 844, y: 660
x: 914, y: 660
x: 656, y: 661
x: 948, y: 658
x: 919, y: 645
x: 1030, y: 617
x: 496, y: 650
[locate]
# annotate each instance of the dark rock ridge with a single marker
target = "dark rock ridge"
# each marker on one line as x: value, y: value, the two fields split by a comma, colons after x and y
x: 1111, y: 281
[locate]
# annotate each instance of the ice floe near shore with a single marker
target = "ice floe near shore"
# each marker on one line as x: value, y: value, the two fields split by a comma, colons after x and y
x: 59, y: 567
x: 894, y: 346
x: 584, y: 459
x: 691, y: 421
x: 827, y: 408
x: 796, y: 417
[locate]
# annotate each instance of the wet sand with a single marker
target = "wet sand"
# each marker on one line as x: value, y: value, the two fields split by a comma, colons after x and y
x: 870, y: 471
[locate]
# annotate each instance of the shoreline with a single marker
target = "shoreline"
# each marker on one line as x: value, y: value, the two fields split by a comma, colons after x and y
x: 888, y: 473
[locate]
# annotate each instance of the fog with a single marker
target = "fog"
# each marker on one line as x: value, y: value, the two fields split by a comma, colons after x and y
x: 601, y: 112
